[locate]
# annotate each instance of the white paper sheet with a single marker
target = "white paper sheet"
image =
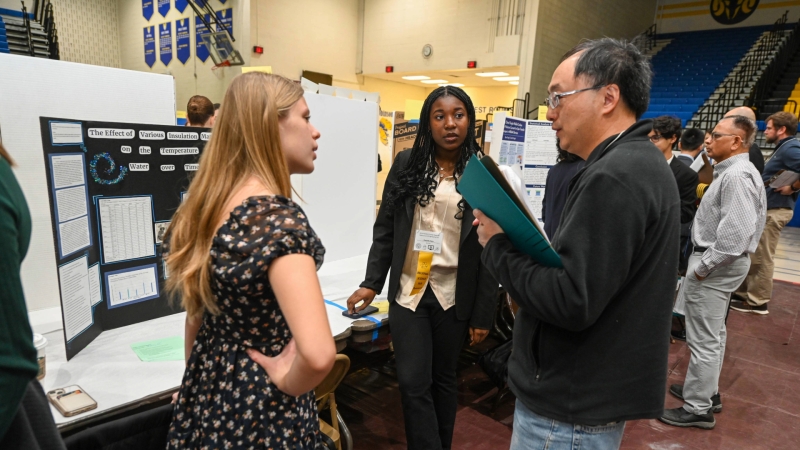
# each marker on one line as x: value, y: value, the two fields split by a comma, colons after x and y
x: 132, y: 286
x: 75, y: 296
x: 65, y: 133
x: 94, y: 284
x: 71, y: 203
x: 698, y: 162
x: 74, y: 235
x: 786, y: 178
x: 535, y: 175
x: 67, y: 171
x: 127, y: 228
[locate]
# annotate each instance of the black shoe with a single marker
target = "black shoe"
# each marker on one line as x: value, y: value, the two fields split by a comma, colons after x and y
x: 679, y: 335
x: 678, y: 330
x: 745, y: 307
x: 679, y: 417
x: 716, y: 402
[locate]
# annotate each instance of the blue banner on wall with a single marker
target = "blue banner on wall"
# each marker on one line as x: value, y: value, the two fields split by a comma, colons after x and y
x: 199, y: 30
x: 223, y: 1
x: 165, y: 42
x: 181, y: 5
x: 226, y: 17
x: 200, y: 3
x: 147, y: 9
x: 150, y: 45
x: 163, y: 7
x: 182, y: 42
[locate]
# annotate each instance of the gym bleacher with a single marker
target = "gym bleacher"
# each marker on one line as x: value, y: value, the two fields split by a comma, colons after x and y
x: 3, y: 38
x: 688, y: 70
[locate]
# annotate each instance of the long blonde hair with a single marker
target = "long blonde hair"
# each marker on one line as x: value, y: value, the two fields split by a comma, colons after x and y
x: 245, y: 142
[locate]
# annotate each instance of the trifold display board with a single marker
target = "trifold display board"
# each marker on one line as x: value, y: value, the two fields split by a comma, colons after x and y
x: 113, y: 190
x: 530, y: 145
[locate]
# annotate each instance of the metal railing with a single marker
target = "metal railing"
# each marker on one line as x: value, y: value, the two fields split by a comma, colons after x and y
x: 738, y: 87
x: 49, y: 23
x: 765, y: 85
x: 646, y: 40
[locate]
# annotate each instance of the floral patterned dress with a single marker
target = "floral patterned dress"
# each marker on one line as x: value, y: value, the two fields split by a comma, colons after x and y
x: 227, y: 401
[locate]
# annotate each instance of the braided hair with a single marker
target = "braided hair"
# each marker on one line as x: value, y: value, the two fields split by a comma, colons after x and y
x: 419, y: 178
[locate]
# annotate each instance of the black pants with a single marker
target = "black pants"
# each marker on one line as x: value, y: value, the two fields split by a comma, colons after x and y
x: 426, y: 347
x: 33, y: 427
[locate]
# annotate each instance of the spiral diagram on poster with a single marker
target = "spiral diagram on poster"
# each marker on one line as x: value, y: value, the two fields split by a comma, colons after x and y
x: 109, y: 170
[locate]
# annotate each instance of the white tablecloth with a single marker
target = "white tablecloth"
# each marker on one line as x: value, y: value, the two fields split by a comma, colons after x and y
x: 113, y: 375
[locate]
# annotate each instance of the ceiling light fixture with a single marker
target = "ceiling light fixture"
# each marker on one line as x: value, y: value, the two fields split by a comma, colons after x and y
x: 416, y: 77
x: 506, y: 78
x: 434, y: 81
x: 492, y: 74
x: 515, y: 83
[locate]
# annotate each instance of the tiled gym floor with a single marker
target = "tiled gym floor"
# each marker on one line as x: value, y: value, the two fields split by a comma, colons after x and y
x: 760, y: 387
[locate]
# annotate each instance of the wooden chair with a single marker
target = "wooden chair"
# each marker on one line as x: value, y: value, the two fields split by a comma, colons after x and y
x: 326, y: 399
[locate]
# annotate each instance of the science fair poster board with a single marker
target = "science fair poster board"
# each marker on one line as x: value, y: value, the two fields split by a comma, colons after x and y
x: 113, y: 190
x: 529, y: 145
x: 64, y: 89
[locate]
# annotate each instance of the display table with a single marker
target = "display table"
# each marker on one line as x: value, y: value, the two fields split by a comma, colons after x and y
x: 109, y: 370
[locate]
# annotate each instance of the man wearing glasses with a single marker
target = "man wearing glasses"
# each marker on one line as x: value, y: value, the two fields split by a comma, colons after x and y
x: 590, y: 339
x: 726, y: 230
x: 666, y: 132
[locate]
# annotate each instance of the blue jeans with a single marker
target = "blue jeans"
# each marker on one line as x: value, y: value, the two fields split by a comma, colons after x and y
x: 534, y: 432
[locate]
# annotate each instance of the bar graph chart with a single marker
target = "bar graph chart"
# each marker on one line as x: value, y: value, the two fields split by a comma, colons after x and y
x: 132, y: 285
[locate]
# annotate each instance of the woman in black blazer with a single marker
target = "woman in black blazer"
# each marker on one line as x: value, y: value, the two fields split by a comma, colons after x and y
x: 436, y: 296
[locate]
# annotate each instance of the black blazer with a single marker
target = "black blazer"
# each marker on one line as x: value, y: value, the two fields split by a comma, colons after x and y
x: 476, y: 288
x: 687, y: 187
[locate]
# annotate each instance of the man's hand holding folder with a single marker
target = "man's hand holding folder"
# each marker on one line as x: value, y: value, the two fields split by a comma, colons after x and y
x: 487, y: 227
x: 487, y: 191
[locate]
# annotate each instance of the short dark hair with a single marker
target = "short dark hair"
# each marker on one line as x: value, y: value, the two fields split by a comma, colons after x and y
x: 612, y: 61
x: 784, y: 119
x: 667, y: 126
x: 748, y: 126
x: 692, y: 139
x: 216, y: 106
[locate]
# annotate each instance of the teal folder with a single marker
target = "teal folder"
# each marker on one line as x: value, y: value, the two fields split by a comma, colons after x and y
x: 484, y: 187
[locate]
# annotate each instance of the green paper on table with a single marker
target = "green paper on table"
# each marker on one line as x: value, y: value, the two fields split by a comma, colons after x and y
x: 166, y: 349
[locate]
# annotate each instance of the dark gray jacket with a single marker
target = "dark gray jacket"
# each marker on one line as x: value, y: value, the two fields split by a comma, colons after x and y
x: 591, y: 340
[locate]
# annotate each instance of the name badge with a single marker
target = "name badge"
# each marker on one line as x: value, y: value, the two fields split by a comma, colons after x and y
x: 428, y: 241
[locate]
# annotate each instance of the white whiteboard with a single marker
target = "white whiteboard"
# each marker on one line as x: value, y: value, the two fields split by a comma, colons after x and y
x: 339, y: 197
x: 34, y: 87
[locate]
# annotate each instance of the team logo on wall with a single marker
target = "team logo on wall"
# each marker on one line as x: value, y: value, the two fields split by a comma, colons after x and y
x: 383, y: 130
x: 730, y: 12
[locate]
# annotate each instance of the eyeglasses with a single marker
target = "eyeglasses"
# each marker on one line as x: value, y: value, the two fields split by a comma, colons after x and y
x: 554, y: 99
x: 715, y: 136
x: 655, y: 138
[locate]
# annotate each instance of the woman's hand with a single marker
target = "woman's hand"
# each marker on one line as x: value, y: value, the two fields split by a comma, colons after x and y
x: 365, y: 294
x: 278, y: 366
x: 477, y: 335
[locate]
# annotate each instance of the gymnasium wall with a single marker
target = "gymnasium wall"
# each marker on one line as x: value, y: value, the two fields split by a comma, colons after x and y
x: 681, y: 15
x: 561, y: 25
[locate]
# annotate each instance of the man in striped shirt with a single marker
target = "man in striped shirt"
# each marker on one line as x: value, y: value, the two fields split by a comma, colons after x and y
x: 726, y: 230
